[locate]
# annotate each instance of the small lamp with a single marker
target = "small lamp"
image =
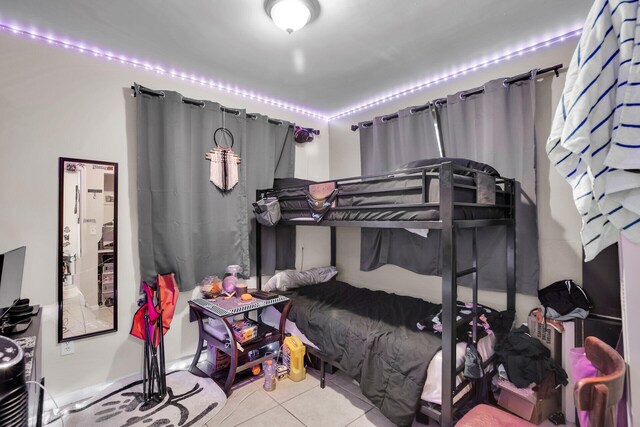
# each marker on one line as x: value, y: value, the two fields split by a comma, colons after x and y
x: 292, y: 15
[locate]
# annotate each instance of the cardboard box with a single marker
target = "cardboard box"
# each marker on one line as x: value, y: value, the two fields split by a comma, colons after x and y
x: 525, y: 403
x: 218, y: 359
x: 244, y: 330
x: 548, y: 335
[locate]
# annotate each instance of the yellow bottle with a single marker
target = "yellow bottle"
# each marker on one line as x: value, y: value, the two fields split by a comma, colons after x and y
x: 294, y: 358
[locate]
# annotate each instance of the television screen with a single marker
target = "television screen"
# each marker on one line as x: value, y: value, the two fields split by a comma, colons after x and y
x: 11, y: 268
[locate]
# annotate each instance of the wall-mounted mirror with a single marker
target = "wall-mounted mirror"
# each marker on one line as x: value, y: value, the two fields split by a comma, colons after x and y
x: 88, y: 249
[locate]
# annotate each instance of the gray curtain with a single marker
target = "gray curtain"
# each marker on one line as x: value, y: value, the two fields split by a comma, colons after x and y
x: 497, y: 128
x: 386, y: 145
x: 272, y: 156
x: 185, y: 224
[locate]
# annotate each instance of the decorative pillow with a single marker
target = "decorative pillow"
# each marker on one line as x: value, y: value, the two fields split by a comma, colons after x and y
x: 471, y: 164
x: 291, y: 279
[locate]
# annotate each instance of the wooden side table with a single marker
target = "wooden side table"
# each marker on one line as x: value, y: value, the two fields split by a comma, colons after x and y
x: 205, y: 309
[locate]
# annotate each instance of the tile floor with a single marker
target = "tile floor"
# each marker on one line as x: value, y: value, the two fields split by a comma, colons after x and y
x: 79, y: 319
x: 301, y: 404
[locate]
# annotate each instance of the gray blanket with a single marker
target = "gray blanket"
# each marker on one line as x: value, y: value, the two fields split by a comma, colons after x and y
x: 371, y: 336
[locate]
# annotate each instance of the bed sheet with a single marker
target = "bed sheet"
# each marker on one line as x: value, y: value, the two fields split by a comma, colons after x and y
x: 432, y: 391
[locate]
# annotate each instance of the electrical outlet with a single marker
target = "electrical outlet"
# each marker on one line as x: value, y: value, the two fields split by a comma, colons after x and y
x: 67, y: 348
x: 93, y: 230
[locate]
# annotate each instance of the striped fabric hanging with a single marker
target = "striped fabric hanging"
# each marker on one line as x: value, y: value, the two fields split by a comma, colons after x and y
x: 595, y: 137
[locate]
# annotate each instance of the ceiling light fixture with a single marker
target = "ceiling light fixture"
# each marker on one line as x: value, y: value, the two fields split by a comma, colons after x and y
x: 292, y: 15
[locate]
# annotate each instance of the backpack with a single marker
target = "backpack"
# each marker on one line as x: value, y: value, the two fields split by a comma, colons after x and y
x: 564, y: 297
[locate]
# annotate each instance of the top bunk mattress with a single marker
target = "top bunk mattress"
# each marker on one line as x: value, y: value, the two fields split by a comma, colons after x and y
x: 399, y: 198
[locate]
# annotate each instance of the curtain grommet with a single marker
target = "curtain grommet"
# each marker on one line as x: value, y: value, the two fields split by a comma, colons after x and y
x: 504, y: 83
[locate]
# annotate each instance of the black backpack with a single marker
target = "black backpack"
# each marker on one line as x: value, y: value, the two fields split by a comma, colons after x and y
x: 564, y: 297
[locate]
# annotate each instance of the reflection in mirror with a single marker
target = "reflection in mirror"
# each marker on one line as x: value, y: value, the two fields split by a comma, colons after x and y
x: 87, y: 288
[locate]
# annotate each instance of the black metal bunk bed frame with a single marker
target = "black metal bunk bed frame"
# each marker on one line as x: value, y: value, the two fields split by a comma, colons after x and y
x: 448, y: 226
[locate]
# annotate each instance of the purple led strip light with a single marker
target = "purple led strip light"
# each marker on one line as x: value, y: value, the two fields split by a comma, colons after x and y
x: 436, y: 81
x: 79, y: 47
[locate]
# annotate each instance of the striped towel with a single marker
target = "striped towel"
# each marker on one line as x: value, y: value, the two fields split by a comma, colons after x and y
x: 595, y: 137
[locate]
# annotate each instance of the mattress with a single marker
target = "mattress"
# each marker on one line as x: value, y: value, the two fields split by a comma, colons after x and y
x: 432, y: 391
x: 403, y: 189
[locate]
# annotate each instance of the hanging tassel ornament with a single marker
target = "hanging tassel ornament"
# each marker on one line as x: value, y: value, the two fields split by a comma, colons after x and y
x: 224, y: 172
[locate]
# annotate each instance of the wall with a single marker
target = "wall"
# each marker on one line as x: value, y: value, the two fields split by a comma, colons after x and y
x: 558, y: 220
x: 629, y: 276
x: 57, y: 103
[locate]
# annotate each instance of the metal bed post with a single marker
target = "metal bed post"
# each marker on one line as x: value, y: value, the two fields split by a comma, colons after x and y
x: 511, y: 251
x: 333, y: 247
x: 258, y: 248
x: 474, y: 278
x: 449, y: 293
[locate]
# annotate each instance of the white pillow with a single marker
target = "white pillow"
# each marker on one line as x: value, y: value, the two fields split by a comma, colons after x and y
x: 291, y: 279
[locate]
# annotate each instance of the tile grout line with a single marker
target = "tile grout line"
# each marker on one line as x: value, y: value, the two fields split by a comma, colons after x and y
x: 368, y: 402
x: 293, y: 415
x: 297, y: 395
x: 363, y: 415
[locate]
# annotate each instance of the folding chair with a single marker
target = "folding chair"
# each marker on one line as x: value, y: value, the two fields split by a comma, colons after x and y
x: 150, y: 322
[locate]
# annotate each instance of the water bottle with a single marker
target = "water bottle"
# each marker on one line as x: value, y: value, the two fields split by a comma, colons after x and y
x: 269, y: 369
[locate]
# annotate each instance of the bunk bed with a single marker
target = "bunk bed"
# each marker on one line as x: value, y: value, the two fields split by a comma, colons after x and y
x: 444, y: 195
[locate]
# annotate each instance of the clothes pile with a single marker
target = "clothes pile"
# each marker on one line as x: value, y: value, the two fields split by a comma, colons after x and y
x: 489, y: 321
x: 526, y: 360
x: 564, y: 300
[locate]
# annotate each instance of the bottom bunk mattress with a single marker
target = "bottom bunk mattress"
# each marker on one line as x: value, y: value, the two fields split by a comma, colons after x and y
x: 372, y: 337
x: 432, y: 391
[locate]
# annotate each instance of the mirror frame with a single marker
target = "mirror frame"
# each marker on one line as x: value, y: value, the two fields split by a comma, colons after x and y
x: 61, y: 164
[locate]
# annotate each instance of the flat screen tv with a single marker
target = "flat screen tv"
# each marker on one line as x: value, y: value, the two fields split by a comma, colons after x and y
x: 11, y: 269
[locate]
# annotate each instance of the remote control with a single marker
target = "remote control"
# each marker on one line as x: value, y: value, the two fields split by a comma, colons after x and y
x: 264, y: 295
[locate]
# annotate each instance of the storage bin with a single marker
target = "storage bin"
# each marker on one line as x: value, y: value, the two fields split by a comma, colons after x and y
x: 525, y: 402
x: 548, y: 335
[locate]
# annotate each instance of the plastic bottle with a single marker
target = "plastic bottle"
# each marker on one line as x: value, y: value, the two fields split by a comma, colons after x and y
x: 269, y: 375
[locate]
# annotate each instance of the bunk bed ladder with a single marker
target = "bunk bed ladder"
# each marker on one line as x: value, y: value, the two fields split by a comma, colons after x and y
x: 449, y: 293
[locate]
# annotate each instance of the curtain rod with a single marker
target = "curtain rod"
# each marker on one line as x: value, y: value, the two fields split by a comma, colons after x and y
x: 474, y: 91
x: 200, y: 103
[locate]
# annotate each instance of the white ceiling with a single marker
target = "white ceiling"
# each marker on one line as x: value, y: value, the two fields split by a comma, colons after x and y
x: 355, y: 51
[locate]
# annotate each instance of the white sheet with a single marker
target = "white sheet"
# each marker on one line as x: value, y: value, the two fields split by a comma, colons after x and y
x: 432, y: 391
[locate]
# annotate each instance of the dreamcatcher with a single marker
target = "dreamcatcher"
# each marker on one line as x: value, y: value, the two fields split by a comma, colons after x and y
x: 224, y: 161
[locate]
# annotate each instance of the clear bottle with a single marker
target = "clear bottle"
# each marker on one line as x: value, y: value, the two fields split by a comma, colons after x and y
x: 269, y: 369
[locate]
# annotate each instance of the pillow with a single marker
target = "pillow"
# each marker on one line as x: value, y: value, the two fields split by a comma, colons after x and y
x: 291, y: 279
x: 471, y: 164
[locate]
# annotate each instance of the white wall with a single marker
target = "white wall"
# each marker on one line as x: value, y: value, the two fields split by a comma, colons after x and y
x: 56, y: 103
x: 629, y: 275
x: 558, y: 220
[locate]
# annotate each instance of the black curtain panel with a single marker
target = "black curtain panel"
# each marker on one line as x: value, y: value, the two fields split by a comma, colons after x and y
x: 186, y: 225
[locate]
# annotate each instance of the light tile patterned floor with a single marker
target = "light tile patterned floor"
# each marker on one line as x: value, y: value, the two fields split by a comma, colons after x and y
x: 301, y: 404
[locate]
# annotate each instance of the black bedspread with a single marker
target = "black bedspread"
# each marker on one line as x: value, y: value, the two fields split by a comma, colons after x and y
x: 372, y: 336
